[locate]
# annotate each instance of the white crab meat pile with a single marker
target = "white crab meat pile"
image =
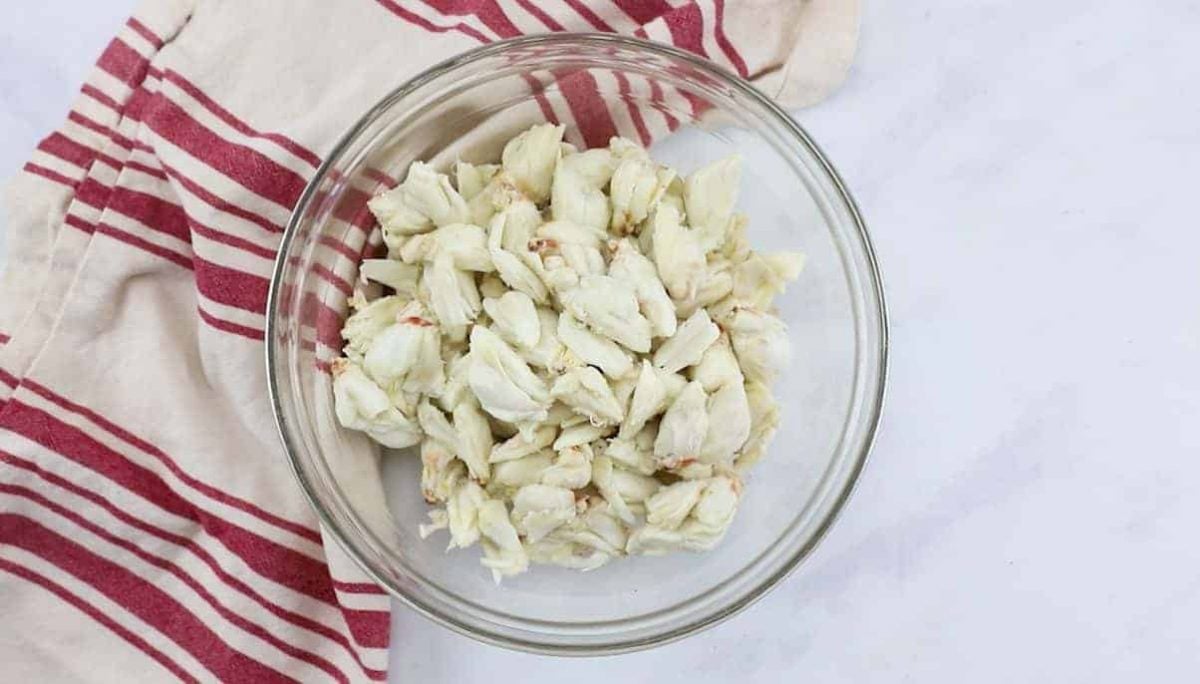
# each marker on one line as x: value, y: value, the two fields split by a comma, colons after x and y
x: 580, y: 344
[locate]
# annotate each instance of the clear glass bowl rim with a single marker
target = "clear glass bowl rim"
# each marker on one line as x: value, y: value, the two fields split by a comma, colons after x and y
x: 875, y: 296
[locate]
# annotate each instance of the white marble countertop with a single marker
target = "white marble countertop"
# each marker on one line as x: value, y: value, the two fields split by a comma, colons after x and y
x: 1031, y: 509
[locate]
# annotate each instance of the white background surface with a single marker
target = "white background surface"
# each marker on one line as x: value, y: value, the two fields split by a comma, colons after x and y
x: 1030, y: 172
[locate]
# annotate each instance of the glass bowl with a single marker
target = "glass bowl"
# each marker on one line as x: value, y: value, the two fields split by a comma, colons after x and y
x: 830, y: 398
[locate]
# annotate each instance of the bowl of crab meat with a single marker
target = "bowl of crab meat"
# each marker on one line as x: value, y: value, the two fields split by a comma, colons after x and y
x: 580, y: 391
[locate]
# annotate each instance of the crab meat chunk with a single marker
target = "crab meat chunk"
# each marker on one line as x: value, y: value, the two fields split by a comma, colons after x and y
x: 580, y: 434
x: 633, y: 453
x: 762, y: 277
x: 683, y: 428
x: 578, y: 245
x: 400, y: 277
x: 523, y: 471
x: 521, y: 222
x: 687, y: 346
x: 561, y: 551
x: 406, y: 355
x: 728, y: 424
x: 369, y: 321
x: 474, y: 439
x: 471, y: 179
x: 515, y: 272
x: 577, y: 194
x: 610, y: 307
x: 716, y: 285
x: 761, y: 343
x: 593, y: 349
x: 677, y: 254
x: 539, y: 509
x: 629, y: 265
x: 706, y: 523
x: 521, y: 444
x: 549, y: 354
x: 572, y: 468
x: 503, y: 383
x: 503, y: 553
x: 424, y: 200
x: 462, y: 512
x: 621, y: 487
x: 440, y: 471
x: 670, y: 505
x: 437, y: 427
x: 465, y: 243
x: 648, y: 400
x: 362, y: 405
x: 624, y: 148
x: 709, y: 195
x: 592, y: 539
x: 452, y: 292
x: 637, y: 185
x: 764, y: 421
x: 454, y: 385
x: 718, y: 367
x: 530, y: 159
x: 515, y: 318
x: 694, y: 471
x: 585, y: 390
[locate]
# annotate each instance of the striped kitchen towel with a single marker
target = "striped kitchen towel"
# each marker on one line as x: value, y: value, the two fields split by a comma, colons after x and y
x: 150, y: 528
